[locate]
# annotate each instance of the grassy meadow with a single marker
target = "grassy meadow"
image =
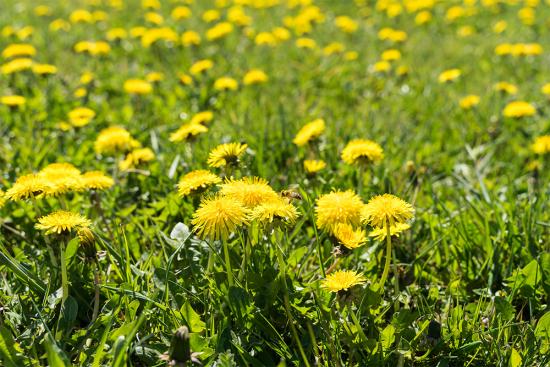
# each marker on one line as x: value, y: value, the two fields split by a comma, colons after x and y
x: 274, y: 183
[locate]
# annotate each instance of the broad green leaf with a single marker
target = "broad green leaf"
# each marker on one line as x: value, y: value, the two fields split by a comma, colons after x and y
x: 515, y: 359
x: 196, y: 325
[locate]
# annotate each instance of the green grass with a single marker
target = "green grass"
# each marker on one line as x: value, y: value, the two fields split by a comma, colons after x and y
x: 473, y: 271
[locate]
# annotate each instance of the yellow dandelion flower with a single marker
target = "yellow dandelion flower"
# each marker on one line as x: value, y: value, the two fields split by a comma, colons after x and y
x: 309, y: 132
x: 16, y: 65
x: 342, y: 280
x: 27, y: 186
x: 180, y: 13
x: 187, y: 132
x: 423, y: 17
x: 2, y: 198
x: 62, y: 221
x: 338, y: 207
x: 334, y: 48
x: 218, y: 217
x: 362, y: 151
x: 346, y: 24
x: 196, y: 181
x: 154, y: 18
x: 81, y: 116
x: 469, y: 101
x: 381, y: 66
x: 154, y: 77
x: 18, y: 50
x: 211, y: 15
x: 115, y: 34
x: 265, y: 38
x: 349, y: 237
x: 202, y: 117
x: 306, y: 43
x: 274, y: 211
x: 225, y: 83
x: 42, y: 10
x: 313, y: 166
x: 249, y: 191
x: 190, y: 38
x: 255, y: 76
x: 44, y: 69
x: 219, y: 31
x: 96, y: 180
x: 226, y: 154
x: 351, y: 55
x: 541, y: 145
x: 545, y: 89
x: 13, y: 101
x: 185, y: 79
x: 137, y: 86
x: 60, y: 178
x: 449, y: 75
x: 506, y: 87
x: 386, y: 209
x: 201, y: 66
x: 519, y: 109
x: 391, y: 55
x: 114, y: 139
x: 135, y: 158
x: 381, y: 233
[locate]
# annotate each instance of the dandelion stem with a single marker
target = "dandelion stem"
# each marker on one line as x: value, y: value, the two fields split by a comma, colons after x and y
x: 388, y: 258
x: 96, y: 293
x: 64, y: 280
x: 228, y: 264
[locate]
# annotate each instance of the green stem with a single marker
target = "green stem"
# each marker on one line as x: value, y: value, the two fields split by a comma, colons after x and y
x: 360, y: 178
x: 64, y: 280
x: 388, y: 258
x: 228, y: 264
x: 282, y: 274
